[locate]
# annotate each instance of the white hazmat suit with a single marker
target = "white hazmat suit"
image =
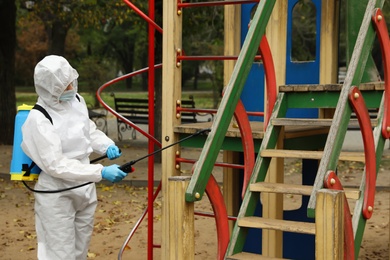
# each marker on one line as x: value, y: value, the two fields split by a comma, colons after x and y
x: 64, y: 220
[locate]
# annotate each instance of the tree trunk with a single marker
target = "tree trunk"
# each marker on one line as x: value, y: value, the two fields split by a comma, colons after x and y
x: 7, y: 70
x: 130, y: 63
x: 56, y: 33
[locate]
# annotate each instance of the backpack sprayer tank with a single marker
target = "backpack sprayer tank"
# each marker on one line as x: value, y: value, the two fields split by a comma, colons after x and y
x: 20, y: 163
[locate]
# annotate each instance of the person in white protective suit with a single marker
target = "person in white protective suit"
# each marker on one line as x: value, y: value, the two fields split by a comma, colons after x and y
x: 64, y: 220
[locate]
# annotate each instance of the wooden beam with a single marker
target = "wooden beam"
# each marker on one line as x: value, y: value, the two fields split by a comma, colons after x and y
x: 232, y: 46
x: 171, y: 91
x: 181, y: 220
x: 329, y: 225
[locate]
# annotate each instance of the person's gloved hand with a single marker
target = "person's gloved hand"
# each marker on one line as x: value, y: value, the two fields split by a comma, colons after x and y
x: 113, y: 173
x: 113, y: 152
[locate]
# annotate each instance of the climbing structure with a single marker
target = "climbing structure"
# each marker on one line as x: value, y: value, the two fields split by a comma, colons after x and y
x: 352, y: 96
x: 317, y: 141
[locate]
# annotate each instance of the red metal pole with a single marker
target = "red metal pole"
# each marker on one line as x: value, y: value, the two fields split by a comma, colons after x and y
x: 151, y: 129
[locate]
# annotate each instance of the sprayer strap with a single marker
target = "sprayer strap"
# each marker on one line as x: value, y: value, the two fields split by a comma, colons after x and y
x: 38, y: 107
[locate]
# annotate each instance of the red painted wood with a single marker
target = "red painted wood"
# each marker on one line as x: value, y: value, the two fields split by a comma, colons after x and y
x: 332, y: 182
x: 270, y: 77
x: 383, y: 36
x: 357, y: 102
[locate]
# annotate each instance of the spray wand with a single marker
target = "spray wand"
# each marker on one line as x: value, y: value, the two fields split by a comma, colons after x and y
x: 127, y: 167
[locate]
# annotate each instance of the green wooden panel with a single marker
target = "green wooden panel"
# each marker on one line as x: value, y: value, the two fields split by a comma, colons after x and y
x: 339, y: 127
x: 229, y: 102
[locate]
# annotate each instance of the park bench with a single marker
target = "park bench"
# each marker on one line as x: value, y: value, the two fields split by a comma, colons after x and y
x: 99, y: 117
x: 137, y: 111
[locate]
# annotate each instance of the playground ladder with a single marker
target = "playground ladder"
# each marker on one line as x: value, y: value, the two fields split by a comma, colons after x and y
x: 323, y: 96
x: 351, y: 96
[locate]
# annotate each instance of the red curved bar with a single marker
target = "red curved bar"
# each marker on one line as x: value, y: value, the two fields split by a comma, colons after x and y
x: 383, y: 36
x: 331, y: 181
x: 247, y: 143
x: 221, y: 217
x: 269, y: 70
x: 357, y: 102
x: 116, y: 114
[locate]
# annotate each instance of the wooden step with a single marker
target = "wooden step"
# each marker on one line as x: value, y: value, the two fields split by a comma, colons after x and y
x: 251, y: 256
x: 370, y: 86
x: 316, y: 155
x: 318, y: 122
x: 294, y: 189
x: 277, y: 224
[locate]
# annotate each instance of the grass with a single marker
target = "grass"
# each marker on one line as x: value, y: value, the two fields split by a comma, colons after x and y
x: 203, y: 99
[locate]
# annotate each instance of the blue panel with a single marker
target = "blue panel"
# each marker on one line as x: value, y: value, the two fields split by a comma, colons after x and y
x: 253, y: 93
x: 303, y: 72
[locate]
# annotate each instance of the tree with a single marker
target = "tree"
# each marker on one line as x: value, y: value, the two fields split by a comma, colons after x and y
x: 7, y: 70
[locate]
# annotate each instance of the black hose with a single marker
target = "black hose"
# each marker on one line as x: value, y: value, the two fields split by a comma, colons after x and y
x: 127, y: 167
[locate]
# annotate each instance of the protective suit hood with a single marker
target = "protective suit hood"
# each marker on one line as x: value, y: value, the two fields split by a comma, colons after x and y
x: 52, y: 75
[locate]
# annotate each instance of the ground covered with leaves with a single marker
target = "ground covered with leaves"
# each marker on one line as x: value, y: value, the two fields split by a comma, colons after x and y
x: 121, y: 206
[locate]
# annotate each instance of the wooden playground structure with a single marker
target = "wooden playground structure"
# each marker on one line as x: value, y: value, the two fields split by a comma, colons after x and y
x: 254, y: 151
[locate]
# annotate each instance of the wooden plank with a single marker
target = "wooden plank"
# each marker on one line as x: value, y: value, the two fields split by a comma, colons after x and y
x: 272, y: 242
x: 329, y: 41
x: 171, y: 91
x: 379, y: 86
x: 232, y: 131
x: 232, y: 31
x: 330, y: 225
x: 277, y: 224
x: 251, y: 256
x: 300, y: 154
x: 318, y: 122
x: 301, y: 122
x: 295, y: 189
x: 181, y: 220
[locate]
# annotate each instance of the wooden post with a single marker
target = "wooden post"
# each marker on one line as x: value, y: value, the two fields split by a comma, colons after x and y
x: 181, y: 220
x: 232, y: 47
x: 329, y: 41
x: 329, y: 47
x: 171, y: 92
x: 330, y: 225
x: 273, y: 203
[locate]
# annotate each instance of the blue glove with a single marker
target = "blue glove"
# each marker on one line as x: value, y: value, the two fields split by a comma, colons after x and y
x: 113, y: 152
x: 113, y: 173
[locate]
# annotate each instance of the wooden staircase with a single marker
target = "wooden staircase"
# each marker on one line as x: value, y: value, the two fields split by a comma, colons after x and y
x: 268, y: 150
x: 352, y: 96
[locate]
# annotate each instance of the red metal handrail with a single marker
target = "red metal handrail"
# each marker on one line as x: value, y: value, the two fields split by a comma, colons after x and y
x: 383, y: 36
x: 331, y: 181
x: 144, y: 16
x: 357, y: 102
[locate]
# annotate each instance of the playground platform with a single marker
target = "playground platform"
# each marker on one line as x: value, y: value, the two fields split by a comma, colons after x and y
x: 134, y: 149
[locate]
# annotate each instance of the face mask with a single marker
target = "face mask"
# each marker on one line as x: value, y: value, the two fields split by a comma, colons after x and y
x: 68, y: 95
